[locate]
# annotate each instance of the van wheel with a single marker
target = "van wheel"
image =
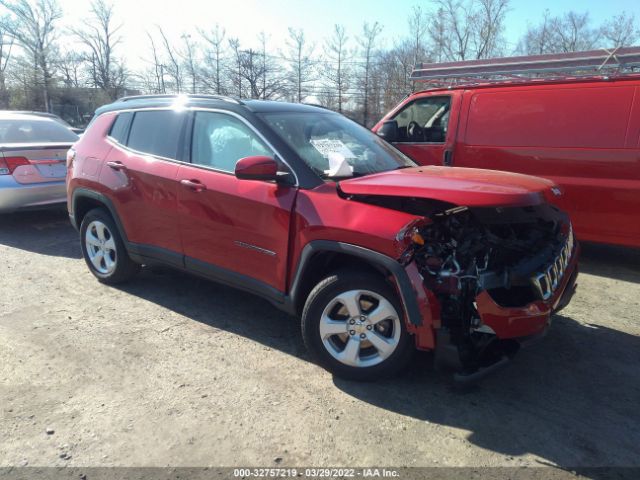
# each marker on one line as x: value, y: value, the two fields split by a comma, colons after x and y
x: 353, y: 325
x: 104, y: 250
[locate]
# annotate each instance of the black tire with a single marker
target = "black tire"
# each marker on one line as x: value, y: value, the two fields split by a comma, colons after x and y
x: 125, y: 268
x: 322, y: 295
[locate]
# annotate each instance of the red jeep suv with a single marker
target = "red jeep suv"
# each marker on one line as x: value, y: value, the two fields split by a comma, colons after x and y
x: 327, y: 221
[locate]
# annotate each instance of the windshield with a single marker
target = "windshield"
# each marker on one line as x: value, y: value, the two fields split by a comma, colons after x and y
x: 334, y: 146
x: 30, y: 130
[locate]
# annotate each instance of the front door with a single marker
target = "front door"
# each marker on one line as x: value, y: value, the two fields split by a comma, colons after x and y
x: 236, y: 230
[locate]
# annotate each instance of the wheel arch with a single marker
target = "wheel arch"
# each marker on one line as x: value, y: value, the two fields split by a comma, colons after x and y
x: 84, y: 200
x: 320, y: 257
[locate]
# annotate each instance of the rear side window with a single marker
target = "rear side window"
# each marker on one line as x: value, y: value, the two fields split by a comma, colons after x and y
x: 120, y: 127
x: 156, y: 132
x: 590, y: 117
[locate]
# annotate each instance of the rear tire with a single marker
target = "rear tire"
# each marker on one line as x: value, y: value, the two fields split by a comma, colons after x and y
x: 103, y: 249
x: 354, y: 327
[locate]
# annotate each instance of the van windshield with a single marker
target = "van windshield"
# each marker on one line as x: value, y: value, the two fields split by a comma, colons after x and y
x: 334, y: 146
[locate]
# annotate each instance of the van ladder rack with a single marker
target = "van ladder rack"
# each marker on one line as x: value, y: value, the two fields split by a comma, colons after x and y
x: 555, y: 65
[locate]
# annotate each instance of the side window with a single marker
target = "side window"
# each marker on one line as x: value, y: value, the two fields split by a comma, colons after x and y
x: 120, y: 127
x: 425, y: 120
x: 156, y: 132
x: 220, y: 140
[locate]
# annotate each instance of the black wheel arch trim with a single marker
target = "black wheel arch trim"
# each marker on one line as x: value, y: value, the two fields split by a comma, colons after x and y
x: 80, y: 193
x: 407, y: 294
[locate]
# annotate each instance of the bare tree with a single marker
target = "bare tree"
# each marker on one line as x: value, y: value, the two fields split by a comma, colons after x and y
x: 236, y: 70
x: 101, y: 37
x: 418, y: 27
x: 214, y: 53
x: 70, y: 66
x: 572, y: 33
x: 158, y: 67
x: 367, y: 44
x: 336, y: 72
x: 173, y: 66
x: 489, y: 25
x: 6, y: 45
x: 300, y: 63
x: 620, y: 31
x: 190, y: 61
x: 32, y: 25
x: 538, y: 39
x: 465, y: 30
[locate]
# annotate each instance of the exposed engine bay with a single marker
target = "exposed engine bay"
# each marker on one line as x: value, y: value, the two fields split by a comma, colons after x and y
x: 517, y: 254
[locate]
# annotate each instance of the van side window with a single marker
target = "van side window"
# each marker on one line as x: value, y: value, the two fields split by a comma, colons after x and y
x: 424, y: 121
x: 220, y: 140
x: 156, y: 132
x: 120, y: 127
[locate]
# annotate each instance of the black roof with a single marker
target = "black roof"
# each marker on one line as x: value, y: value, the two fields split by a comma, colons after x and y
x: 207, y: 101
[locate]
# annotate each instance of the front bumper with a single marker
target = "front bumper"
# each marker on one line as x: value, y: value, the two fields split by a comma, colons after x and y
x: 15, y: 196
x: 533, y: 319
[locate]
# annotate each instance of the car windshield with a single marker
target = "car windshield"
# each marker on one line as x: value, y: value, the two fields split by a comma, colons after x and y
x: 31, y: 130
x: 334, y: 146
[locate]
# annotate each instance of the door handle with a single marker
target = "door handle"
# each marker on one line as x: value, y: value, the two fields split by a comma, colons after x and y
x: 194, y: 185
x: 116, y: 165
x: 447, y: 158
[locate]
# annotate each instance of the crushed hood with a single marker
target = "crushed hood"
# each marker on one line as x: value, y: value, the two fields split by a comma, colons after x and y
x: 470, y: 187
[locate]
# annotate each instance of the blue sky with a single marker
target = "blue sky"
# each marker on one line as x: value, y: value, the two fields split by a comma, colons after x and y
x: 246, y: 18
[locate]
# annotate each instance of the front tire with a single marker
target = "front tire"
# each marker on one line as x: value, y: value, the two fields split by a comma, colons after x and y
x: 353, y: 325
x: 103, y: 249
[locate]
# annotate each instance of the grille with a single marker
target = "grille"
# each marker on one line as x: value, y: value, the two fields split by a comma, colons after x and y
x: 547, y: 282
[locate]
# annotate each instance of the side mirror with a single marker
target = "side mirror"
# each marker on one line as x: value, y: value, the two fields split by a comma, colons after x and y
x: 389, y: 131
x: 256, y: 168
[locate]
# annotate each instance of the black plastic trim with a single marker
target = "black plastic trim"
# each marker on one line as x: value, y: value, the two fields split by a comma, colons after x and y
x: 403, y: 282
x: 86, y: 193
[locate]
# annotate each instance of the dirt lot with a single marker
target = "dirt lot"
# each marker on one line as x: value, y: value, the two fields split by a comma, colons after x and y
x: 172, y: 370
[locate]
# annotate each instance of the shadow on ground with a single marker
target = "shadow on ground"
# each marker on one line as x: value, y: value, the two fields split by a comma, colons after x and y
x: 47, y: 232
x: 571, y: 400
x: 610, y: 261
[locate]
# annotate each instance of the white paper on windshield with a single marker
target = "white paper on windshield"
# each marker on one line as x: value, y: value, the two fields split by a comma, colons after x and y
x: 326, y: 146
x: 338, y: 166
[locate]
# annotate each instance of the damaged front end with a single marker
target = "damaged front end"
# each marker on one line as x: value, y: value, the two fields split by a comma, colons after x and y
x: 497, y: 274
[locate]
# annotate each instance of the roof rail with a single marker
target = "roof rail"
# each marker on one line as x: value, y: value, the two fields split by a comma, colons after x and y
x: 592, y: 62
x: 168, y: 95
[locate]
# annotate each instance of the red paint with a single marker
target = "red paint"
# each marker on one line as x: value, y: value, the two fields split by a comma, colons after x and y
x: 583, y: 135
x: 256, y: 168
x: 470, y: 187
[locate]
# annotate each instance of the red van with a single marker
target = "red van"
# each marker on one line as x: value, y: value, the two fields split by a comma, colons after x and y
x: 584, y: 134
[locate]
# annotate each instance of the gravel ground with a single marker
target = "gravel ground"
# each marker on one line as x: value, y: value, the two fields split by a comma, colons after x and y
x: 173, y: 370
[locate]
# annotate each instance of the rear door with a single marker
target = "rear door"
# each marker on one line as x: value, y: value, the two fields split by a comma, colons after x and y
x: 235, y: 230
x: 426, y: 127
x: 140, y: 172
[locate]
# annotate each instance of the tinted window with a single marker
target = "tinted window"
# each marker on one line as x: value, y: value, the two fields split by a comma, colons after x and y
x: 31, y: 130
x: 425, y: 120
x: 593, y: 117
x: 120, y: 127
x: 156, y: 132
x: 220, y: 140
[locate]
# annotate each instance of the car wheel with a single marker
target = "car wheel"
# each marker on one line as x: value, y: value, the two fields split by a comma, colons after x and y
x: 103, y: 248
x: 354, y: 326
